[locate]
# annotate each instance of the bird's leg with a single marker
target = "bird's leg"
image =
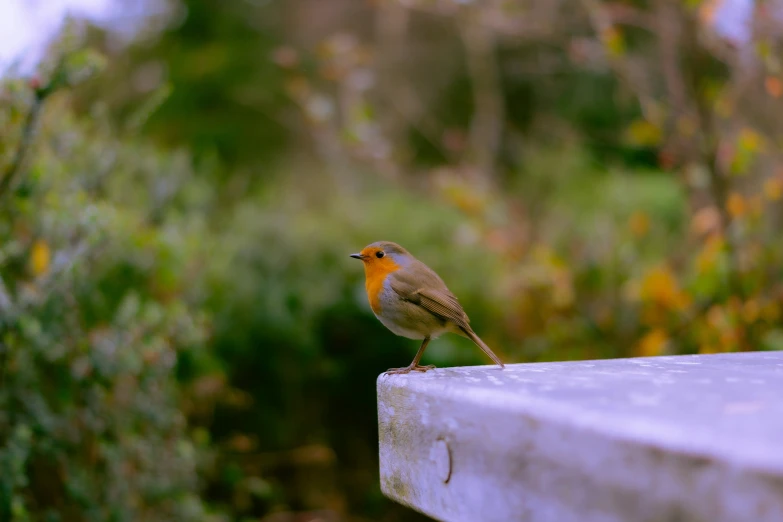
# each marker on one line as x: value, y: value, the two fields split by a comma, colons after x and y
x: 414, y: 366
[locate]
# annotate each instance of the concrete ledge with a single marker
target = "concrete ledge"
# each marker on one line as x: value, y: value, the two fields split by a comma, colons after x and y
x: 689, y: 438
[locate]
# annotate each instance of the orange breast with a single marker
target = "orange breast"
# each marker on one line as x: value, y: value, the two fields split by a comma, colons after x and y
x: 375, y: 273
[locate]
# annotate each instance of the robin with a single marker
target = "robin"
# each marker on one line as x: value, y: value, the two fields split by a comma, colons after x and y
x: 411, y: 300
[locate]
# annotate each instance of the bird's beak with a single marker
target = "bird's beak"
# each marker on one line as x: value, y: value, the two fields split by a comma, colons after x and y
x: 357, y: 256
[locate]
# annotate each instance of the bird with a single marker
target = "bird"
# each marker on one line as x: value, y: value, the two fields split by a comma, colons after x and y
x: 412, y: 301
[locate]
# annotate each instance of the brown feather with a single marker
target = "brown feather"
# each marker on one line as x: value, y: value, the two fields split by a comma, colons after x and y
x: 420, y: 285
x: 484, y: 348
x: 444, y: 305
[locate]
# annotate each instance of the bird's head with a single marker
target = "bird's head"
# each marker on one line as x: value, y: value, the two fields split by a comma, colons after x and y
x: 383, y: 255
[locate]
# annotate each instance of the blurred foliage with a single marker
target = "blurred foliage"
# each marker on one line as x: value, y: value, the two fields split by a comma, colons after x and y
x: 100, y: 239
x: 182, y: 333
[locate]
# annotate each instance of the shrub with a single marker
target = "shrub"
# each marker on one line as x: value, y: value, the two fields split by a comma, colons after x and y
x: 99, y: 242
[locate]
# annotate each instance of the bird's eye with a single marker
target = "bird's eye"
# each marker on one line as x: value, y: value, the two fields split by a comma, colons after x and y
x: 379, y: 254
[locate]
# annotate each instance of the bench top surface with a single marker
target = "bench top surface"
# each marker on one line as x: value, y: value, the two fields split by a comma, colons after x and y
x: 727, y: 405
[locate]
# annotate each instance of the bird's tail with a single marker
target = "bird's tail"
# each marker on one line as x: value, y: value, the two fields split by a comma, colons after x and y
x: 476, y: 339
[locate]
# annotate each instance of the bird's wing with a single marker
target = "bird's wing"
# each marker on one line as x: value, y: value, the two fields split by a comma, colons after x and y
x: 443, y: 304
x: 429, y: 291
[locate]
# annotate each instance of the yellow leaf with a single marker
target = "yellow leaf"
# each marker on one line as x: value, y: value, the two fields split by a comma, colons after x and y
x: 643, y: 133
x: 613, y: 41
x: 652, y: 344
x: 771, y: 312
x: 660, y: 287
x: 750, y: 140
x: 40, y: 255
x: 707, y: 348
x: 708, y: 257
x: 763, y: 49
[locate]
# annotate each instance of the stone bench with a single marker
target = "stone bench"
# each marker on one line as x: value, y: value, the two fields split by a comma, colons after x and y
x: 686, y: 438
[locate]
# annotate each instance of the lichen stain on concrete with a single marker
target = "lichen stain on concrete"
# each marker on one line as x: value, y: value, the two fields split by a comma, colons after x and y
x: 395, y: 434
x: 395, y: 487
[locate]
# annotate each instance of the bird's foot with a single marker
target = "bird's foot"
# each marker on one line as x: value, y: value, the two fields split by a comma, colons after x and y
x: 411, y: 368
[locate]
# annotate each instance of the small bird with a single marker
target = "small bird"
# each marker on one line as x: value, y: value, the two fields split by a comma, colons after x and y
x: 411, y: 300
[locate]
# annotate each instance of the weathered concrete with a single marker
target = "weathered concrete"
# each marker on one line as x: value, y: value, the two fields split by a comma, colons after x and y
x: 691, y: 438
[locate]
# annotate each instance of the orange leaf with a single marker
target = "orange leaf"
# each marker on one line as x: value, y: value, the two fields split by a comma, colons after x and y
x: 242, y: 443
x: 773, y: 188
x: 751, y: 311
x: 774, y: 86
x: 652, y: 344
x: 707, y: 11
x: 716, y: 317
x: 639, y: 223
x: 736, y: 205
x: 706, y: 220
